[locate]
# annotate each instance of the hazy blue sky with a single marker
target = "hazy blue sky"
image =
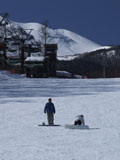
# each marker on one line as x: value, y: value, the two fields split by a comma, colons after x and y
x: 97, y: 20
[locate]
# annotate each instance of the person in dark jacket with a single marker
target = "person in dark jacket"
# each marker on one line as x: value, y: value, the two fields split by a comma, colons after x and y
x: 50, y: 110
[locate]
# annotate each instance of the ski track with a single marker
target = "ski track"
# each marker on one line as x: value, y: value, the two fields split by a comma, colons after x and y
x: 20, y: 137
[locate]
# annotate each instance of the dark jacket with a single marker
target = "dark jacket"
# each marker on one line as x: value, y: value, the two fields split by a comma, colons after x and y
x: 49, y: 108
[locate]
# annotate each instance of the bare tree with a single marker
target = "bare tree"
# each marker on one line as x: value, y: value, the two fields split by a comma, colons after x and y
x: 45, y: 35
x: 44, y: 31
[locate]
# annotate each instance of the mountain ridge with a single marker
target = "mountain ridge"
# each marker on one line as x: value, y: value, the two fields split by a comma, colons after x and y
x: 69, y: 43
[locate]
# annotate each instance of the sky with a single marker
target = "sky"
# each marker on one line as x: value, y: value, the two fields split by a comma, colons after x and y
x: 97, y: 20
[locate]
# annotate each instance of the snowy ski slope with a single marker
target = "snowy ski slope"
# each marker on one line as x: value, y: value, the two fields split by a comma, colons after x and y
x: 22, y: 102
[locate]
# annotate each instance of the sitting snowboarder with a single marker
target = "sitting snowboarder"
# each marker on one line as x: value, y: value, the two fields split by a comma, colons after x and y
x: 79, y: 120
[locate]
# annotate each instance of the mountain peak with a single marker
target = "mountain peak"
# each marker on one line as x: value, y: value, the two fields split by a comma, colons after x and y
x: 69, y: 43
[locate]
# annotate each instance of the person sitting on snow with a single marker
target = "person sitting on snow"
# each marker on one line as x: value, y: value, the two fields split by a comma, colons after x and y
x: 80, y: 120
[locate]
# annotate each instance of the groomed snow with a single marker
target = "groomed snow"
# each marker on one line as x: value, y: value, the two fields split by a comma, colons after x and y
x: 22, y: 102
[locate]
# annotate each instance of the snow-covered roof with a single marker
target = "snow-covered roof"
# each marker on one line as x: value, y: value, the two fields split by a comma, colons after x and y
x: 67, y: 58
x: 33, y: 59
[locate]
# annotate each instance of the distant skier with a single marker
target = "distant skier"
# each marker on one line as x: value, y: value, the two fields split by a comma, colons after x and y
x: 50, y: 110
x: 80, y: 120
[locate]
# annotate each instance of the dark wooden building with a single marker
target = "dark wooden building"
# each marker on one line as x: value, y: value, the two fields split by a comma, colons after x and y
x: 35, y: 67
x: 39, y: 67
x: 51, y: 58
x: 3, y: 57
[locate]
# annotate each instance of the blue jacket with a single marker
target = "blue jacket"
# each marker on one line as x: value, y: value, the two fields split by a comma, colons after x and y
x: 49, y: 108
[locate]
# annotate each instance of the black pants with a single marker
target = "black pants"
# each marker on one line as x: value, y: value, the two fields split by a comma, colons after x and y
x: 50, y: 117
x: 77, y: 122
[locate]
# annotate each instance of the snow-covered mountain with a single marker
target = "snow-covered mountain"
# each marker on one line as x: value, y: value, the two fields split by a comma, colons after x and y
x: 69, y: 43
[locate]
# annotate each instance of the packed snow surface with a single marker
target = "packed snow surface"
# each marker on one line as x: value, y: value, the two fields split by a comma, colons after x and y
x: 22, y: 102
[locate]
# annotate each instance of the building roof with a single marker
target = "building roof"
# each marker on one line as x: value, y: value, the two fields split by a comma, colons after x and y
x: 35, y: 59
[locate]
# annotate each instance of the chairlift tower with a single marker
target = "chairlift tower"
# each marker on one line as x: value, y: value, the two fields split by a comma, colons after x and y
x: 104, y: 65
x: 22, y: 38
x: 3, y: 23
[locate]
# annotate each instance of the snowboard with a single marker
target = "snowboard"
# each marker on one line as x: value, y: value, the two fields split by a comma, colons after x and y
x: 76, y: 126
x: 47, y: 125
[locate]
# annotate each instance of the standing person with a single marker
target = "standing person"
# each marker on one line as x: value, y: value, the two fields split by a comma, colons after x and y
x: 50, y: 110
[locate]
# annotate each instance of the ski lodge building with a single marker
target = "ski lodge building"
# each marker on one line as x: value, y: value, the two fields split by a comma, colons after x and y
x: 43, y: 66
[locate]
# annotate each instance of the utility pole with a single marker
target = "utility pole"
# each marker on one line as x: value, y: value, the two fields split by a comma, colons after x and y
x: 45, y: 34
x: 104, y: 73
x: 104, y: 65
x: 22, y: 56
x: 29, y: 50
